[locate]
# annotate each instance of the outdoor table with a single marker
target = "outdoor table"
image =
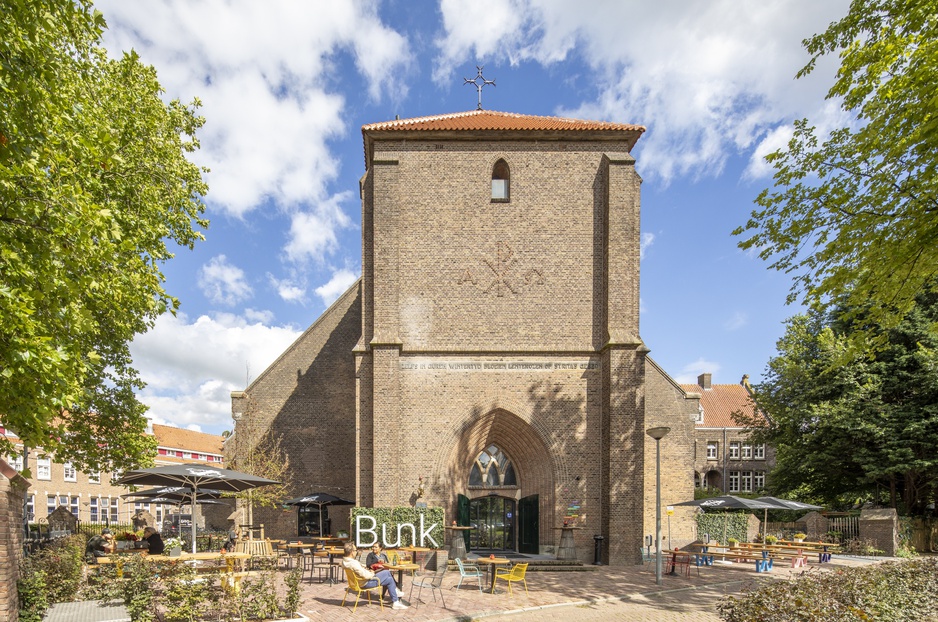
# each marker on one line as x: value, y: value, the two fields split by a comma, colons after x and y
x: 400, y: 567
x: 332, y: 551
x: 492, y: 563
x: 457, y: 549
x: 567, y: 548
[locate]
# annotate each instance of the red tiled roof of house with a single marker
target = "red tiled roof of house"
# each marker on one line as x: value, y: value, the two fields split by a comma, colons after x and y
x: 720, y: 402
x: 189, y: 440
x: 492, y: 120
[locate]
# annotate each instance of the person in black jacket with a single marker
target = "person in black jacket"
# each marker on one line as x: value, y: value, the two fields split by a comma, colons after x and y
x: 154, y: 541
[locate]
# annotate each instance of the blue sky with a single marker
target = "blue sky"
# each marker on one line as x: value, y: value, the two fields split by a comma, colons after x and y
x: 286, y: 87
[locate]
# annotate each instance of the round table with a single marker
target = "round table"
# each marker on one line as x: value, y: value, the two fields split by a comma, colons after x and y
x: 457, y: 548
x: 567, y: 548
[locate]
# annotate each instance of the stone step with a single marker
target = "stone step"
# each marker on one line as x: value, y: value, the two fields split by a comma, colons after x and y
x: 547, y: 565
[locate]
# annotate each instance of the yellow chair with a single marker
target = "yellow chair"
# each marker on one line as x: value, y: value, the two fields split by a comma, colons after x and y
x: 515, y: 573
x: 356, y: 585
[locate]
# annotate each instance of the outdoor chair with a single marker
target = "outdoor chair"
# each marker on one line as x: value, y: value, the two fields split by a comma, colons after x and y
x: 434, y: 582
x: 515, y: 573
x: 468, y: 570
x: 647, y: 555
x: 357, y: 586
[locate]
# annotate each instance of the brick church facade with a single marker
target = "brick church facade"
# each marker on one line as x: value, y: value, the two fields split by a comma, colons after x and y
x: 489, y: 360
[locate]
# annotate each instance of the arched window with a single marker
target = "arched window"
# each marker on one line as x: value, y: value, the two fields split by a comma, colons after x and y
x: 492, y: 468
x: 501, y: 181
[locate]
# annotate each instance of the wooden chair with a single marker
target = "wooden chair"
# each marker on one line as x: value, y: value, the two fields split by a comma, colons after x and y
x: 434, y: 582
x: 468, y: 570
x: 356, y: 585
x: 515, y: 573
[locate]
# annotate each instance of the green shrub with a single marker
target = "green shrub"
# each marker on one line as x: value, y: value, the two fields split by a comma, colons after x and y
x: 887, y: 592
x: 724, y: 525
x: 51, y: 575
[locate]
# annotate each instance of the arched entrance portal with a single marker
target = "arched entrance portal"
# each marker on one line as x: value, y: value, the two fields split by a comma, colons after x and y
x: 494, y: 521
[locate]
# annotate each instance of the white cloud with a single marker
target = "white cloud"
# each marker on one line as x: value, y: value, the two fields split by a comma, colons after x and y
x: 647, y: 240
x: 191, y: 367
x: 736, y: 321
x: 288, y: 290
x: 690, y: 371
x: 708, y: 79
x: 340, y: 282
x: 223, y: 283
x: 262, y: 71
x: 313, y: 233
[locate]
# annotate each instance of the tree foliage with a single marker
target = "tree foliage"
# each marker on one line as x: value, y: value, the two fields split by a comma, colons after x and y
x: 856, y: 213
x: 849, y: 423
x: 94, y: 184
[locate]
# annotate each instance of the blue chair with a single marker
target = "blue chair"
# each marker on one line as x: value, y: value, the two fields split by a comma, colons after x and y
x: 468, y: 570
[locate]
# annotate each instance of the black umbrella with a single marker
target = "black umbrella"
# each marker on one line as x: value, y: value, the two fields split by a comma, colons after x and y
x: 731, y: 502
x: 175, y: 494
x: 194, y: 476
x: 318, y: 499
x: 788, y: 504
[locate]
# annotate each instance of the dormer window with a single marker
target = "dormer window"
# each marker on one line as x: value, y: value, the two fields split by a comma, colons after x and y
x: 501, y: 178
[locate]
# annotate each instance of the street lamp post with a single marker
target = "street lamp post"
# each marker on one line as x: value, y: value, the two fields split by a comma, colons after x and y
x: 657, y: 434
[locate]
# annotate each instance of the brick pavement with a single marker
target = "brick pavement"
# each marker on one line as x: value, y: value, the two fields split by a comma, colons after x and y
x: 603, y: 594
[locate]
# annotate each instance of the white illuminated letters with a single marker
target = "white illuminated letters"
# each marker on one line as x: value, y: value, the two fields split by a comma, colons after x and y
x: 371, y: 528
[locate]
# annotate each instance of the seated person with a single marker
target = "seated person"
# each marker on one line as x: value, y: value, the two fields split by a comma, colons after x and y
x: 154, y: 541
x: 377, y: 558
x: 99, y: 546
x: 233, y: 535
x: 372, y: 579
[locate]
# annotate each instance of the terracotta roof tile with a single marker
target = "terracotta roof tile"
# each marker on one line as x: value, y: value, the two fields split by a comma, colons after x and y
x: 189, y: 440
x: 720, y: 402
x: 492, y: 120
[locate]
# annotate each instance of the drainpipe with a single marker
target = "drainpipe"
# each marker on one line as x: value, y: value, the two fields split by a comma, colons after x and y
x: 724, y: 461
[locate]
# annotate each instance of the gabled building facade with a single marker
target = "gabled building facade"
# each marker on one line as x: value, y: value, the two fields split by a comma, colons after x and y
x: 489, y: 361
x: 725, y: 460
x: 91, y: 497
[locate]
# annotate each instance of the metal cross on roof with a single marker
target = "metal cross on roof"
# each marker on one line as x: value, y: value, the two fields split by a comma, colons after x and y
x: 475, y: 82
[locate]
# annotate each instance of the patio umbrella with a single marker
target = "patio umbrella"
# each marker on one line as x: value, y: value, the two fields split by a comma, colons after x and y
x: 787, y: 504
x: 731, y: 502
x: 172, y: 494
x: 194, y: 476
x: 318, y: 499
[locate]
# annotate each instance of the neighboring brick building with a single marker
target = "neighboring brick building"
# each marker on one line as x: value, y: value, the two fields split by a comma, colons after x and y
x: 90, y: 497
x: 492, y: 345
x: 724, y: 457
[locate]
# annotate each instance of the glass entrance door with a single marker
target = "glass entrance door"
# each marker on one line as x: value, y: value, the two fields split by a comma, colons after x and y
x: 494, y: 522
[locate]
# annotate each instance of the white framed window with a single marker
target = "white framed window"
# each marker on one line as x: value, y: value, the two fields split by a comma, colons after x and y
x: 501, y: 182
x: 94, y: 478
x: 734, y: 481
x: 758, y: 451
x: 44, y: 468
x: 70, y: 474
x: 74, y: 507
x: 50, y: 504
x: 713, y: 450
x: 758, y: 480
x: 15, y: 461
x: 115, y: 515
x: 31, y: 508
x: 105, y: 505
x: 745, y: 481
x: 187, y: 455
x: 93, y: 509
x: 734, y: 450
x: 159, y: 514
x: 747, y: 451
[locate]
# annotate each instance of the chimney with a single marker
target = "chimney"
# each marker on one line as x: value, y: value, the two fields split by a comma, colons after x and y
x: 704, y: 381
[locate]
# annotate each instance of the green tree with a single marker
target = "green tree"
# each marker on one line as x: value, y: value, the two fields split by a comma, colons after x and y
x: 94, y: 184
x: 850, y: 423
x: 856, y: 214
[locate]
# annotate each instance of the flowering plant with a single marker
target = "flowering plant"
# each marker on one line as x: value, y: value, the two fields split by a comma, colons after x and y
x: 127, y: 536
x: 171, y: 543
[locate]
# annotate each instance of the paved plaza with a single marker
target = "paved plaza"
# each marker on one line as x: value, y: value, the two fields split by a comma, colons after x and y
x: 602, y: 594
